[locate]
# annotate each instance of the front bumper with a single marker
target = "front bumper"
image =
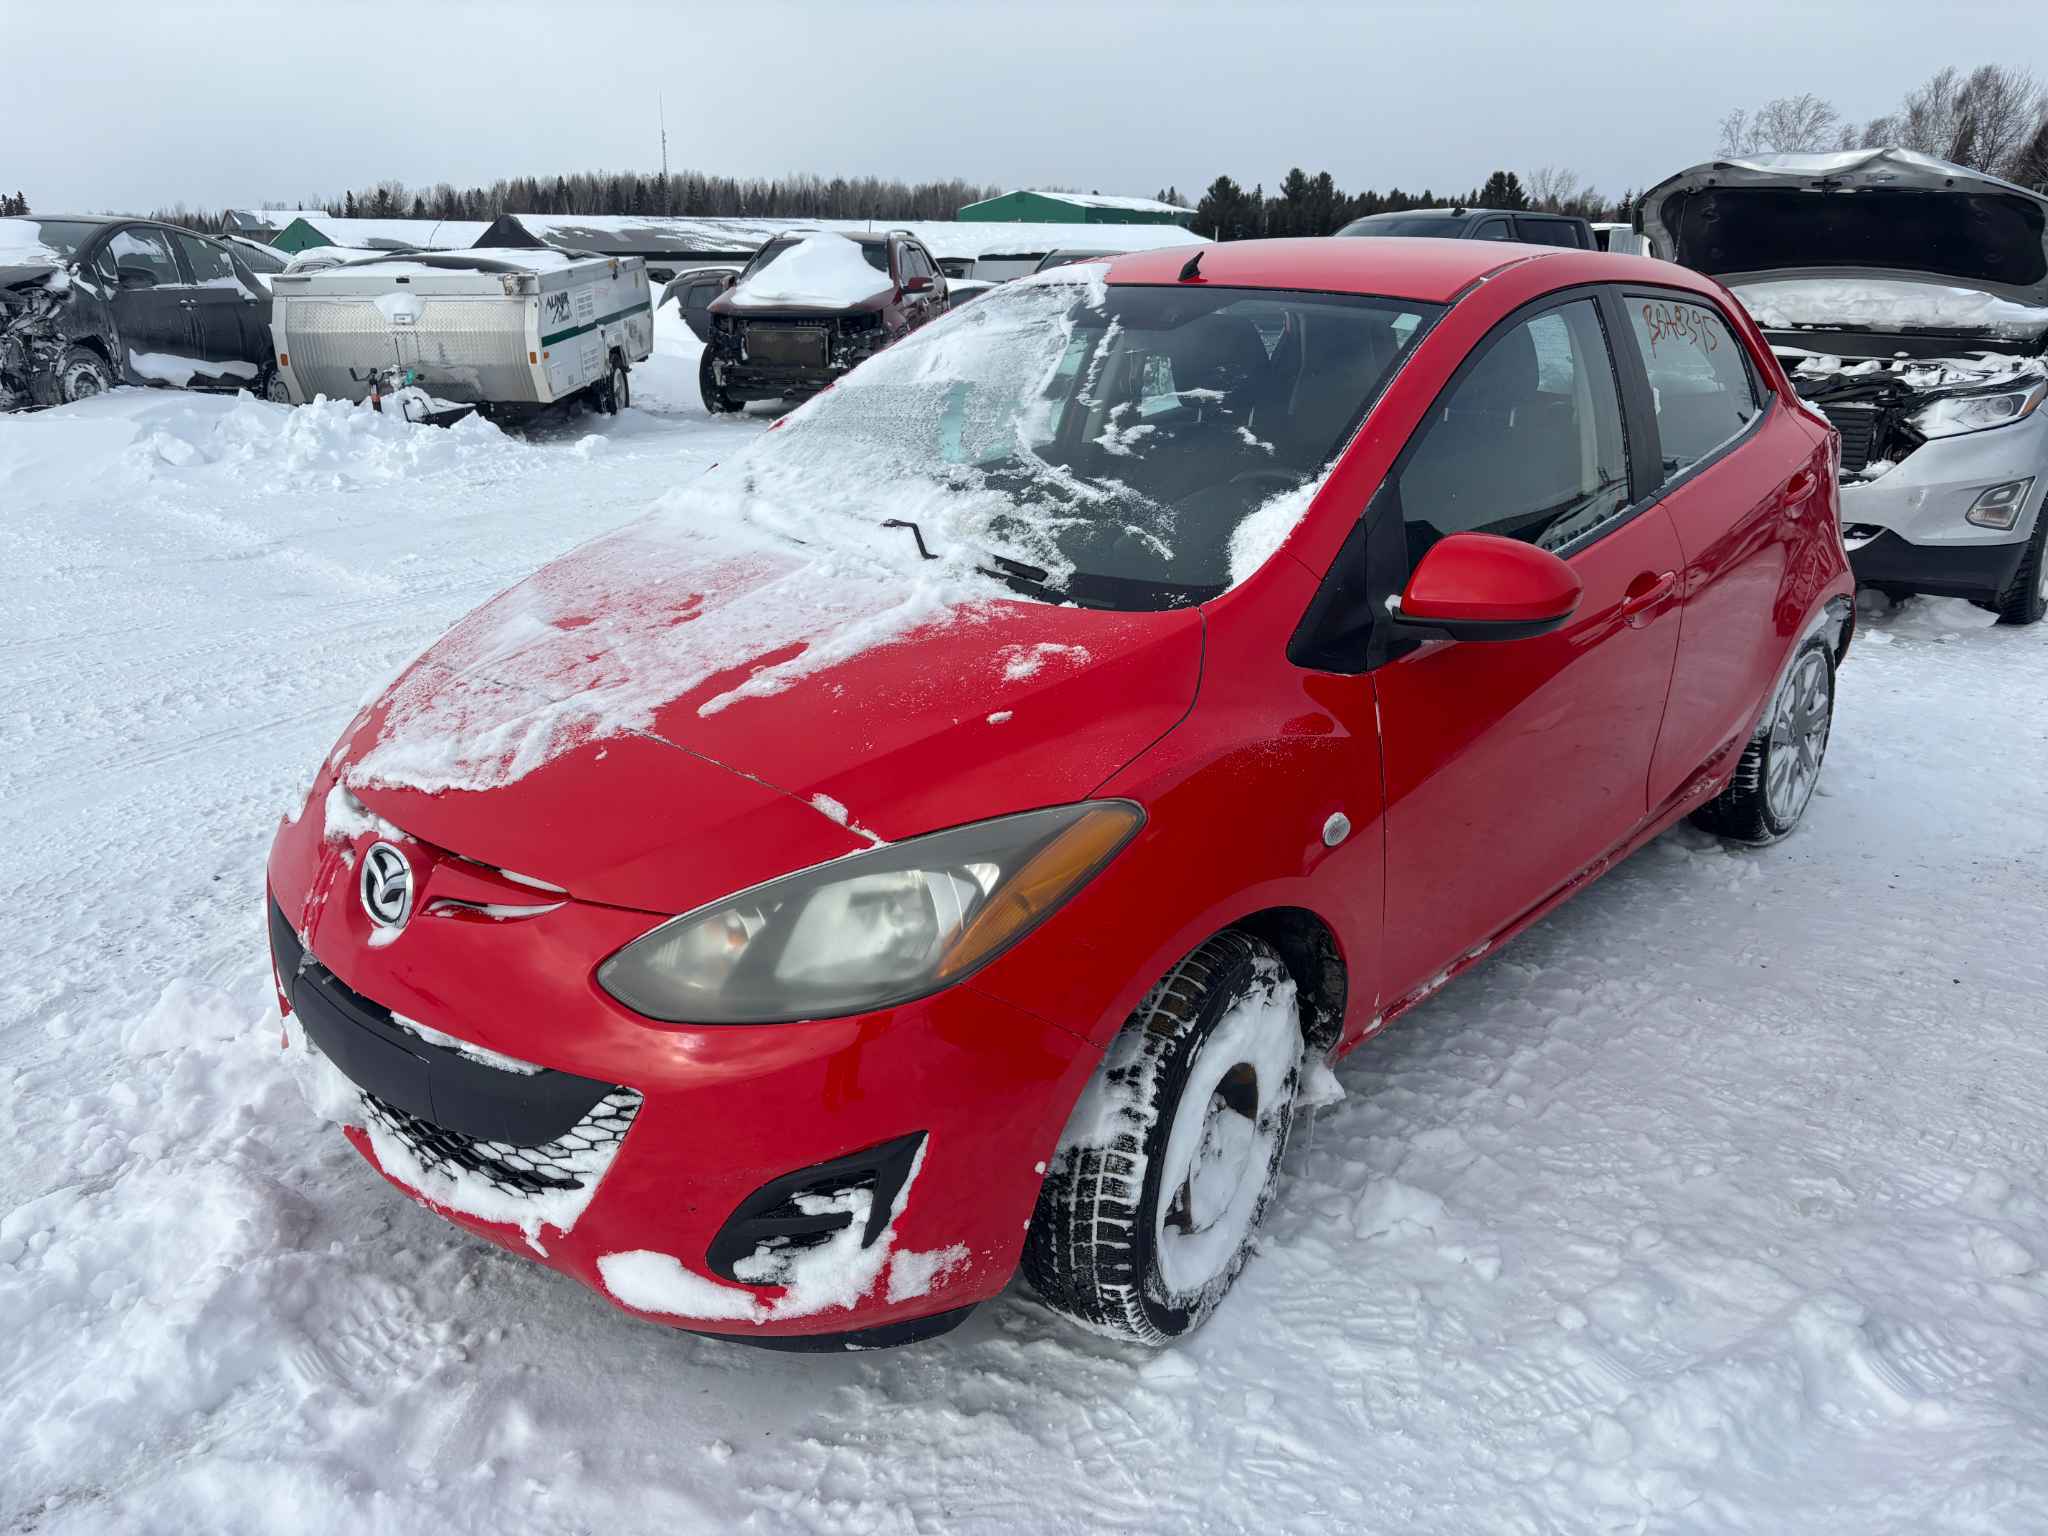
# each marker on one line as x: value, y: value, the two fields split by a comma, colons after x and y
x: 666, y: 1132
x: 1955, y: 570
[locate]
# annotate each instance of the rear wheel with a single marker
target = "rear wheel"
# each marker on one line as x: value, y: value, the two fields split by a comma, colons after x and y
x: 2026, y: 600
x: 82, y: 374
x: 716, y: 400
x: 1152, y: 1203
x: 1775, y: 779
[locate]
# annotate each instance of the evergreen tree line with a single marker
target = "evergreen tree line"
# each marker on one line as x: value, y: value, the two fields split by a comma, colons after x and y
x: 12, y: 207
x: 1314, y: 205
x: 631, y: 193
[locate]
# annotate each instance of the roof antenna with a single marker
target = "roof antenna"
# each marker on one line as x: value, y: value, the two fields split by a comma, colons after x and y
x: 1194, y: 267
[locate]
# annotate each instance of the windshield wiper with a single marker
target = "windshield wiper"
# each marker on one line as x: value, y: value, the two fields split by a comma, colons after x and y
x: 916, y: 533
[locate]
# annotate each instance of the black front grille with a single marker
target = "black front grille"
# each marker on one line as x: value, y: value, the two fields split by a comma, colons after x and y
x: 1858, y: 426
x: 572, y: 1161
x: 806, y: 346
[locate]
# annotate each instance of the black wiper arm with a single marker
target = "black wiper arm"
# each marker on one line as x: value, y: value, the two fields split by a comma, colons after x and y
x: 916, y: 533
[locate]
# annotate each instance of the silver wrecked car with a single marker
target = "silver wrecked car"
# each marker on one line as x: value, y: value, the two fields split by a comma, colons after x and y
x: 1908, y: 298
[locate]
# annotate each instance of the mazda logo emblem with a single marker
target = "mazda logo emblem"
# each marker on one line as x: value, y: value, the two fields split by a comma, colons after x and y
x: 386, y: 886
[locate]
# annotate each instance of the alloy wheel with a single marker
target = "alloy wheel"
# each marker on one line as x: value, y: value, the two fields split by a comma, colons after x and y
x: 1799, y: 738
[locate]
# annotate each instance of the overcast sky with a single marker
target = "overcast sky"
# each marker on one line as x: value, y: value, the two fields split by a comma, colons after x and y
x: 120, y: 106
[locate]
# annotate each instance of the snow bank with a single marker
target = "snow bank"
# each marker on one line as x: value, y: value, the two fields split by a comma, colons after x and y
x: 1886, y: 304
x: 826, y: 271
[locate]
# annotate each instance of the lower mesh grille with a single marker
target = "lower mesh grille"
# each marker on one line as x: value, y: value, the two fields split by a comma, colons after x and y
x: 572, y: 1161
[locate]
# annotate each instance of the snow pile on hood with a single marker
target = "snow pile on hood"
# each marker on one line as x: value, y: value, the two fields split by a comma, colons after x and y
x: 822, y: 272
x: 21, y: 245
x: 1887, y: 304
x: 774, y: 566
x: 742, y: 578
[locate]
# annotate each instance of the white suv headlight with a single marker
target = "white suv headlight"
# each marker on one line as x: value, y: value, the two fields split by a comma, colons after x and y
x: 876, y: 928
x: 1956, y: 414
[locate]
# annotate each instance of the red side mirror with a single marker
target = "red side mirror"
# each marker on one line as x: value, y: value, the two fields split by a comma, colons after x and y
x: 1478, y: 586
x: 917, y: 285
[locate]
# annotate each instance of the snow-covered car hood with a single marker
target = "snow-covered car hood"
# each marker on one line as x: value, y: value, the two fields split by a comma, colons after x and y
x: 18, y: 271
x: 806, y: 707
x: 1884, y: 231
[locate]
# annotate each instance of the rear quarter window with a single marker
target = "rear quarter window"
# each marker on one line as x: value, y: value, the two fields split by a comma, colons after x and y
x: 1701, y: 380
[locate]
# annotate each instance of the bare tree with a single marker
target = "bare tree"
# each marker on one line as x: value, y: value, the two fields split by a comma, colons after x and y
x: 1785, y: 124
x: 1557, y: 189
x: 1987, y: 118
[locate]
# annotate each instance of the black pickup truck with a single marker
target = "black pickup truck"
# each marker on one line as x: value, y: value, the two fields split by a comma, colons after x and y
x: 1479, y: 224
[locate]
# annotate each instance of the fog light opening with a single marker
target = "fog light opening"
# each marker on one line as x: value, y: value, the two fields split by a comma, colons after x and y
x: 2000, y: 506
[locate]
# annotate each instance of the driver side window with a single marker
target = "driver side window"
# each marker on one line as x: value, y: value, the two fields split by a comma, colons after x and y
x: 1527, y: 443
x: 145, y: 251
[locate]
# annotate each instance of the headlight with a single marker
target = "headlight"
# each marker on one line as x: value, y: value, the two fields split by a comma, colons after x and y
x: 1974, y: 413
x: 872, y: 929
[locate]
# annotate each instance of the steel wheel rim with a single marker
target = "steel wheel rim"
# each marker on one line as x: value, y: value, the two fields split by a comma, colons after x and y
x: 1224, y: 1158
x: 1798, y: 739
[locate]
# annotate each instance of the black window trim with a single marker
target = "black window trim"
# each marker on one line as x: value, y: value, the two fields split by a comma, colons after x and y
x: 1373, y: 568
x: 1645, y: 405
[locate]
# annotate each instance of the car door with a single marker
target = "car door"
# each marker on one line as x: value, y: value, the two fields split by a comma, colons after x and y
x: 1737, y: 480
x: 150, y: 309
x: 696, y: 301
x: 1513, y: 767
x: 920, y: 286
x: 225, y: 313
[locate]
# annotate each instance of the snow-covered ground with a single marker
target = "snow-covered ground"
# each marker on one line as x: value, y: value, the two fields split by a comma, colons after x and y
x: 1719, y: 1202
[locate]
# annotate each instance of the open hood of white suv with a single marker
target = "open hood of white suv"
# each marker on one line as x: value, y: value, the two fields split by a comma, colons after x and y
x: 1886, y: 214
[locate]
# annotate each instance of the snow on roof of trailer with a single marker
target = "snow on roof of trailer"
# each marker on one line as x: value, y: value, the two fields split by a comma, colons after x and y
x: 945, y: 239
x: 395, y: 234
x: 472, y: 258
x: 1097, y: 200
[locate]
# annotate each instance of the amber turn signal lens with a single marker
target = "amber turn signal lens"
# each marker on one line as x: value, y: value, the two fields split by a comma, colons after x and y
x: 1048, y: 878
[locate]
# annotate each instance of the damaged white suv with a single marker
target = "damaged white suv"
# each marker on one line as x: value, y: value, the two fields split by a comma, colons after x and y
x: 1908, y: 299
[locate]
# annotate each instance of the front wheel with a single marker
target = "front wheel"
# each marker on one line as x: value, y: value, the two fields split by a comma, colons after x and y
x: 2026, y: 600
x: 1150, y: 1208
x: 716, y: 401
x: 82, y: 374
x: 1775, y: 779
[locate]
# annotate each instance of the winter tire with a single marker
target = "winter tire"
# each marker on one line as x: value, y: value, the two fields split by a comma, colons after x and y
x: 1152, y: 1203
x: 82, y: 374
x: 1774, y: 781
x: 2026, y: 600
x: 271, y: 386
x: 615, y: 394
x: 716, y: 401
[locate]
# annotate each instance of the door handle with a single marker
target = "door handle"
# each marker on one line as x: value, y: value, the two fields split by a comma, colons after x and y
x: 1645, y: 594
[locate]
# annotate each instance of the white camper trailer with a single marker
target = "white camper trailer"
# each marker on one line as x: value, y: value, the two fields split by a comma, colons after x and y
x: 490, y: 328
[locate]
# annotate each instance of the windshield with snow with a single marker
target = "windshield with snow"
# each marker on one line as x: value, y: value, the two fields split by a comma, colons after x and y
x: 1129, y: 447
x: 24, y: 240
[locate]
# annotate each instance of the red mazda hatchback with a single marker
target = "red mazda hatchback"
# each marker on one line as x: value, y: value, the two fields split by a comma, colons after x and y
x: 938, y: 840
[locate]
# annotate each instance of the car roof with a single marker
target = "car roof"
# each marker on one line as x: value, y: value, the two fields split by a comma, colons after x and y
x: 1424, y: 269
x: 1433, y: 271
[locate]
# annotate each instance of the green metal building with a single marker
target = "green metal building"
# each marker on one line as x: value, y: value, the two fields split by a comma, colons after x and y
x: 1073, y: 208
